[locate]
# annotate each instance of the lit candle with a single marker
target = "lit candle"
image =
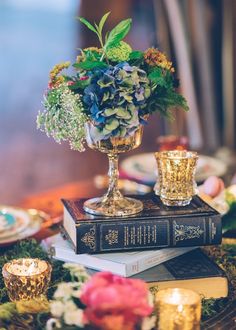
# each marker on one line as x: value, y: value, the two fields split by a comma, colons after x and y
x: 26, y: 278
x: 178, y: 309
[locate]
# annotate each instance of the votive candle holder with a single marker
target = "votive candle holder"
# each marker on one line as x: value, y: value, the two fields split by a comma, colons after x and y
x: 176, y: 176
x: 178, y: 309
x: 26, y: 278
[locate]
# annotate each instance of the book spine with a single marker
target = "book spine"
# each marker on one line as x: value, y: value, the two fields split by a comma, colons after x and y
x: 150, y: 261
x: 131, y: 235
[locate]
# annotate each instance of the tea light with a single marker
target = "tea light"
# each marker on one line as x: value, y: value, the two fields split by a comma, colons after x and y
x: 178, y: 309
x: 26, y: 278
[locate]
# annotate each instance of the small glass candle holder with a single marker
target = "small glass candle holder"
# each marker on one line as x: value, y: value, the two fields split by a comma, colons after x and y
x: 178, y: 309
x: 26, y: 278
x: 176, y: 176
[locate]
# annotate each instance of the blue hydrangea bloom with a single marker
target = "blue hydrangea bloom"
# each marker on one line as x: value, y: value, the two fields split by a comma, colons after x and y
x: 115, y: 99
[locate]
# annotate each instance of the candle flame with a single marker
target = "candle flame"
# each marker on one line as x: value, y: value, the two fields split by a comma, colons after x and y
x: 31, y: 269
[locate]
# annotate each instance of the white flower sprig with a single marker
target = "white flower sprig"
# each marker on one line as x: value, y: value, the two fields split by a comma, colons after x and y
x: 63, y: 306
x: 63, y: 117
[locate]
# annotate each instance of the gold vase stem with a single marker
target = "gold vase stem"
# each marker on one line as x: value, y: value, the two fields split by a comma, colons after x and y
x: 113, y: 173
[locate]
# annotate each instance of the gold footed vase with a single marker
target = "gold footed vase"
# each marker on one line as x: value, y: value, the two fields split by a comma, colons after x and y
x: 113, y: 203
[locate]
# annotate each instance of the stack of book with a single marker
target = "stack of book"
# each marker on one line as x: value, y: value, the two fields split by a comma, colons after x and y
x: 158, y: 245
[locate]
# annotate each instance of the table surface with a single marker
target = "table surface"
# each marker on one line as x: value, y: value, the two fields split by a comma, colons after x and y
x: 49, y: 201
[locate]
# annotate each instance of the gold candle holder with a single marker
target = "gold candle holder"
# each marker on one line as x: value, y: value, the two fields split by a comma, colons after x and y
x: 178, y: 309
x: 176, y: 171
x: 26, y: 278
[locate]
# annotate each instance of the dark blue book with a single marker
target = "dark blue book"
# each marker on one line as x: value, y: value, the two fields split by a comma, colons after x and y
x: 193, y: 270
x: 157, y: 226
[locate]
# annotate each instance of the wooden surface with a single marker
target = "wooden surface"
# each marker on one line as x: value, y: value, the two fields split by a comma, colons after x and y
x: 50, y: 202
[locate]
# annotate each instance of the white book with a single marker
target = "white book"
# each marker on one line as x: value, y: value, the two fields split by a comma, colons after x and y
x: 121, y: 263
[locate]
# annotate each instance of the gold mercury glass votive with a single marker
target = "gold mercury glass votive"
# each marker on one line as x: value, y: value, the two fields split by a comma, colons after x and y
x: 26, y: 278
x: 178, y: 309
x: 176, y: 176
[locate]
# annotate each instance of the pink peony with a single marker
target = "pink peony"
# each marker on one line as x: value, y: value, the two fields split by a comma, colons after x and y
x: 115, y: 303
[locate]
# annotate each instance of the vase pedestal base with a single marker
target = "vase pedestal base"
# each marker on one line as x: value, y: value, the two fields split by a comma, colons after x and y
x: 110, y: 207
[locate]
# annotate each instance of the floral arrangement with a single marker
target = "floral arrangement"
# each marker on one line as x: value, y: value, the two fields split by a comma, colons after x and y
x: 113, y: 87
x: 101, y: 303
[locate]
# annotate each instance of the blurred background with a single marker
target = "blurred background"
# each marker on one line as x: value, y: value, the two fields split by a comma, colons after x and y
x: 198, y: 35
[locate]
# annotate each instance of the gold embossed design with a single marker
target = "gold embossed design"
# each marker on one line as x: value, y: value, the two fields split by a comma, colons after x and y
x: 112, y: 237
x: 26, y: 287
x: 178, y: 309
x: 113, y: 203
x: 183, y: 232
x: 176, y: 171
x: 89, y: 238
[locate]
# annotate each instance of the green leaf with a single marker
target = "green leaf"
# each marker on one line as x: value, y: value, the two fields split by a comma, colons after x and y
x: 106, y: 37
x: 118, y: 33
x: 96, y: 26
x: 136, y: 55
x: 102, y: 22
x: 166, y: 100
x: 89, y: 25
x: 157, y: 77
x: 89, y: 65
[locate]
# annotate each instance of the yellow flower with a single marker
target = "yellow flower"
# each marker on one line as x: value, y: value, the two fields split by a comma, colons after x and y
x: 55, y: 81
x: 82, y: 56
x: 37, y: 305
x: 154, y: 57
x: 93, y: 49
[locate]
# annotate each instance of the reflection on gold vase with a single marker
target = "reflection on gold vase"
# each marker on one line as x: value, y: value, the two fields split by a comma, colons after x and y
x: 113, y: 203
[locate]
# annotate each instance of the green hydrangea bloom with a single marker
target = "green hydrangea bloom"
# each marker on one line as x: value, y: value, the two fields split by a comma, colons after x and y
x: 120, y: 52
